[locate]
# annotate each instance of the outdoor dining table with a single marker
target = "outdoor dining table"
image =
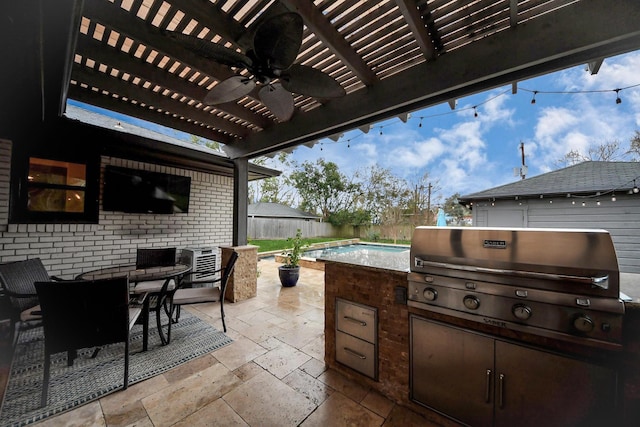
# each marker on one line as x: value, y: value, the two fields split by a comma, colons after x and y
x: 137, y: 275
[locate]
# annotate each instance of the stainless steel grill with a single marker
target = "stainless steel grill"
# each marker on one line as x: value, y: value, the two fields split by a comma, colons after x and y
x: 558, y: 283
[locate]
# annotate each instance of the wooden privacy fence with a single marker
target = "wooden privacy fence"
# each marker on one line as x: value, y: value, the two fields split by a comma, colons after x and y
x: 282, y: 228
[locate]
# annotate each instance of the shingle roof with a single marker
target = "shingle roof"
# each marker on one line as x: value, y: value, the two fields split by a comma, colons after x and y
x: 277, y: 210
x: 587, y: 177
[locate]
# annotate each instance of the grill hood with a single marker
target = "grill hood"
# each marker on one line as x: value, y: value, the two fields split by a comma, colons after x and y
x: 579, y: 261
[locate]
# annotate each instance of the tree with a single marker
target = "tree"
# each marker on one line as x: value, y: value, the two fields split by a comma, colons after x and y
x: 634, y: 149
x: 380, y: 189
x: 606, y: 152
x: 322, y: 188
x: 274, y: 189
x: 455, y: 209
x: 211, y: 144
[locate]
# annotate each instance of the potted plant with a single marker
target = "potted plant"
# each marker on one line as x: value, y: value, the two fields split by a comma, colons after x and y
x: 289, y: 272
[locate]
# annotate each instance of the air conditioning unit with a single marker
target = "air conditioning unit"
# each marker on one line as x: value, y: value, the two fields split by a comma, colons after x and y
x: 203, y: 259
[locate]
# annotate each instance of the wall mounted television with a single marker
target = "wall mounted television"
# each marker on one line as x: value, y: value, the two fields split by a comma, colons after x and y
x: 139, y: 191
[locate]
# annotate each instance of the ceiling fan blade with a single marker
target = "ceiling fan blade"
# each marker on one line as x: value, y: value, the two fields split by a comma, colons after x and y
x: 311, y: 82
x: 278, y: 39
x: 229, y: 90
x: 278, y: 100
x: 211, y: 50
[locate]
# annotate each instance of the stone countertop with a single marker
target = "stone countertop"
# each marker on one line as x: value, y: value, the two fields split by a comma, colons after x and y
x: 630, y: 286
x: 395, y: 261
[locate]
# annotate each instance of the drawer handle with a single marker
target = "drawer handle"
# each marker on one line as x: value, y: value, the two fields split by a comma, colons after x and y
x: 355, y: 353
x: 354, y: 320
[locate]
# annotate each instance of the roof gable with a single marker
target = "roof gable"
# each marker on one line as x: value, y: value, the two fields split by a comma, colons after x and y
x: 586, y: 177
x: 277, y: 210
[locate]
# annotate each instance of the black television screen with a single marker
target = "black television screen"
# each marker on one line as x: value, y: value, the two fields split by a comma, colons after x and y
x: 139, y: 191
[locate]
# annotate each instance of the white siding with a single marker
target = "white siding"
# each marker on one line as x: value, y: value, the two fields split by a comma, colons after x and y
x: 620, y: 218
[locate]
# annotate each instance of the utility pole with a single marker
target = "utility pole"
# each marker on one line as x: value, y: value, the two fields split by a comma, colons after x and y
x: 523, y: 170
x: 429, y: 204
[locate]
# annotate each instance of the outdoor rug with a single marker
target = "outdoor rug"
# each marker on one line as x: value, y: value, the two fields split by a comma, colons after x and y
x: 90, y: 379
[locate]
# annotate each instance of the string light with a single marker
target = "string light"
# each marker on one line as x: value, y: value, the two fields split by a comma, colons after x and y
x: 613, y: 197
x: 534, y: 93
x: 635, y: 190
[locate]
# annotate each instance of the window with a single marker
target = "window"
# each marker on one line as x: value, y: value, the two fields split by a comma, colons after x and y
x: 55, y: 186
x: 54, y: 190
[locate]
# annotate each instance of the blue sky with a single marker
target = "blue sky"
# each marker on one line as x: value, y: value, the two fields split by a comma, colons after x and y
x: 463, y: 153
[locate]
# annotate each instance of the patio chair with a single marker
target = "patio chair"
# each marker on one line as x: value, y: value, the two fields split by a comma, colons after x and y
x: 158, y: 290
x: 82, y: 314
x: 184, y: 295
x: 17, y: 280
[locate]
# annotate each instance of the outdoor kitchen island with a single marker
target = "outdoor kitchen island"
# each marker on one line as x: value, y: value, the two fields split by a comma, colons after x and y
x: 575, y: 376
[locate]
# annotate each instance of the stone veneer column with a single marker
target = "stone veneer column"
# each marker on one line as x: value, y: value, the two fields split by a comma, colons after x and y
x: 243, y: 283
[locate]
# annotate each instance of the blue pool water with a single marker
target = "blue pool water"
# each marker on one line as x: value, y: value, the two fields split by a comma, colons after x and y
x: 360, y: 247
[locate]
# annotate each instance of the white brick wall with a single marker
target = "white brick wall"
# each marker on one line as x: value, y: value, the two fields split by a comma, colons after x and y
x: 69, y: 249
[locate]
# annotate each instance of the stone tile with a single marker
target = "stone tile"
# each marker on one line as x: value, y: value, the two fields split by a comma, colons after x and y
x: 237, y: 354
x: 315, y: 390
x: 216, y: 413
x: 248, y: 371
x: 338, y: 411
x: 190, y: 368
x: 377, y: 403
x: 315, y: 315
x: 266, y: 401
x: 261, y: 332
x: 302, y: 335
x: 86, y: 415
x: 344, y: 385
x: 258, y: 317
x: 315, y: 348
x: 125, y: 407
x: 172, y: 404
x: 403, y: 417
x: 314, y: 367
x: 282, y: 360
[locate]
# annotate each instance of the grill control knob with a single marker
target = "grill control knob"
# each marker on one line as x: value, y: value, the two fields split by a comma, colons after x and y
x: 583, y: 323
x: 521, y: 311
x: 471, y: 302
x: 430, y: 294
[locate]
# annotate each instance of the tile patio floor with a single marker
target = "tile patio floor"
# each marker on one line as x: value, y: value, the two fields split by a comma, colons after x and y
x: 273, y: 374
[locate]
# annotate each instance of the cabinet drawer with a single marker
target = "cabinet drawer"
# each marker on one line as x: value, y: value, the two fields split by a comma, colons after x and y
x: 357, y: 320
x: 356, y: 354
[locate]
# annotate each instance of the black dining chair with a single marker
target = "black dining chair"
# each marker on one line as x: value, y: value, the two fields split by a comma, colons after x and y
x: 158, y: 290
x: 17, y: 280
x: 186, y: 294
x: 83, y: 314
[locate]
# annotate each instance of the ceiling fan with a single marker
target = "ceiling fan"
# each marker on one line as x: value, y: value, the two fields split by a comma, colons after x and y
x: 274, y: 46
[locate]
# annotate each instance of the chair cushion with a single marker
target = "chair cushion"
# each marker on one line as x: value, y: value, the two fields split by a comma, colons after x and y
x: 151, y: 286
x: 33, y: 313
x: 196, y: 295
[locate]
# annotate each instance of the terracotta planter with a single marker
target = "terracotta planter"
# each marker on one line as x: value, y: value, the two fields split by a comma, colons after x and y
x: 288, y: 275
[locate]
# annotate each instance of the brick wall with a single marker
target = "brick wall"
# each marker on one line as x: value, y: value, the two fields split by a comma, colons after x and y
x: 69, y: 249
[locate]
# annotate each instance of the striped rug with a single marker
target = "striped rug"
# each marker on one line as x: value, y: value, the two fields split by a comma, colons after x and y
x: 90, y: 379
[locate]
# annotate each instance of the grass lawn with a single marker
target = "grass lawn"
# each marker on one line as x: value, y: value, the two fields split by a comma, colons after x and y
x: 281, y: 244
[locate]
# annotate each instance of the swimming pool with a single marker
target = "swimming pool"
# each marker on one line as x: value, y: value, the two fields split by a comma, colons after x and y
x: 359, y: 247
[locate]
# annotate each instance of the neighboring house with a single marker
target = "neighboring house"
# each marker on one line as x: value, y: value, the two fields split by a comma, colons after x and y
x: 278, y: 221
x: 601, y: 195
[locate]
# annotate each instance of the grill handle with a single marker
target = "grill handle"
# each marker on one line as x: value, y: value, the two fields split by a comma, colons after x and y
x: 600, y: 282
